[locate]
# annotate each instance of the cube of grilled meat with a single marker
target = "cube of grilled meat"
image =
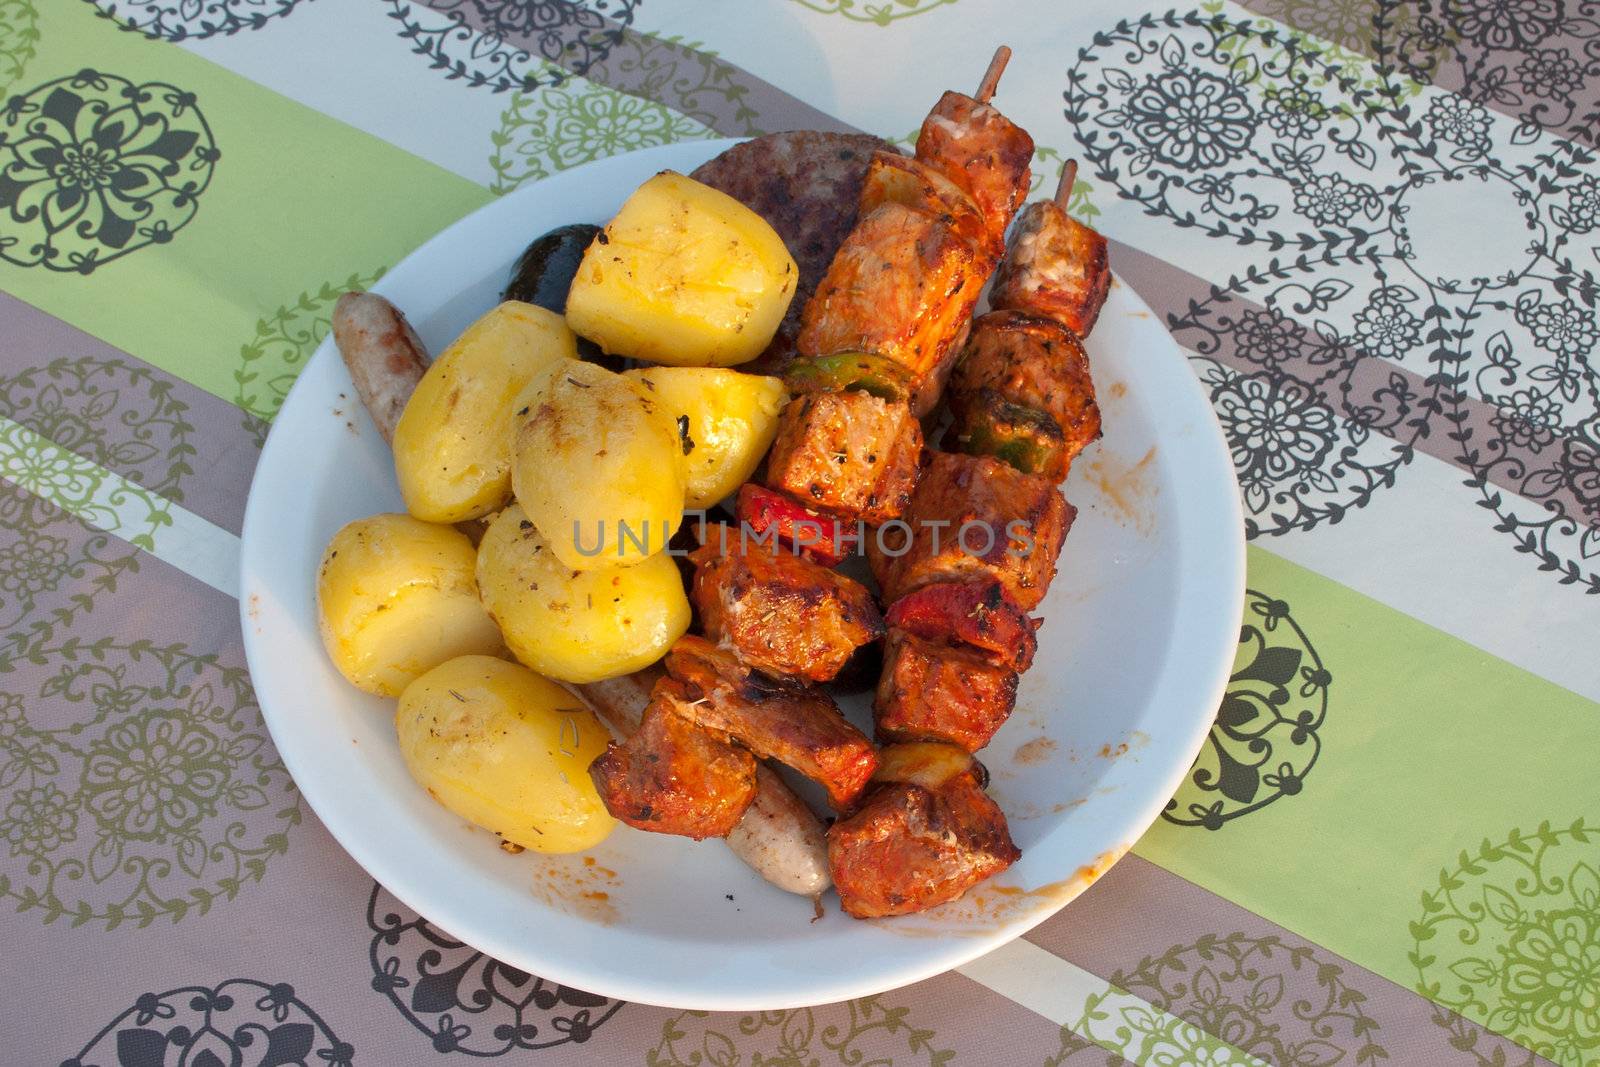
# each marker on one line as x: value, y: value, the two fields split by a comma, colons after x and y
x: 1014, y: 524
x: 1056, y: 267
x: 779, y: 612
x: 893, y: 178
x: 922, y: 838
x: 987, y: 424
x: 671, y: 777
x: 849, y: 452
x: 806, y: 184
x: 974, y: 615
x: 1033, y: 362
x: 931, y: 691
x: 796, y: 725
x: 903, y: 286
x: 983, y: 152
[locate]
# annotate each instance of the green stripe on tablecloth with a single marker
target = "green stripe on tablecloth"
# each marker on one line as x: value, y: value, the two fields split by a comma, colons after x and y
x: 1434, y: 840
x: 293, y: 195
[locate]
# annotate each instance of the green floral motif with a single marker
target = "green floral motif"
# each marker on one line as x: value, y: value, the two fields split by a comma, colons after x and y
x: 136, y: 783
x: 18, y: 36
x: 882, y: 14
x: 55, y: 476
x: 549, y: 130
x: 1522, y: 951
x: 109, y: 414
x: 1337, y: 31
x: 284, y: 341
x: 1228, y: 1000
x: 864, y: 1031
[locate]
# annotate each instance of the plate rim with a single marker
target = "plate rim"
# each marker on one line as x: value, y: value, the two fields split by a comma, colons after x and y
x: 620, y: 984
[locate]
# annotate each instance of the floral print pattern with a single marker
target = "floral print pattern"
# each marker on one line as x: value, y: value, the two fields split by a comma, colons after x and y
x: 94, y: 167
x: 1511, y: 935
x: 136, y: 783
x: 1193, y: 120
x: 182, y: 20
x: 18, y: 37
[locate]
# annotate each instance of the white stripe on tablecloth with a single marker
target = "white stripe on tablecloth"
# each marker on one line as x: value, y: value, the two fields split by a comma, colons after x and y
x: 107, y: 501
x: 1091, y: 1007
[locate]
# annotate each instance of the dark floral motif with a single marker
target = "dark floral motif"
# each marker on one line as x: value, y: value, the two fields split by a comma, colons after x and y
x: 464, y: 1001
x: 111, y: 415
x: 1505, y: 25
x: 242, y: 1021
x: 182, y: 20
x: 1193, y: 120
x: 1274, y: 1001
x: 136, y: 783
x: 1267, y: 336
x: 513, y: 44
x: 1276, y: 429
x: 863, y: 1031
x: 94, y: 167
x: 1408, y: 344
x: 1550, y: 73
x: 1510, y: 937
x: 1267, y: 736
x: 1580, y: 473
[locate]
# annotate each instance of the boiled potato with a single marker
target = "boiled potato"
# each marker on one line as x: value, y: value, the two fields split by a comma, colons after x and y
x: 452, y: 446
x: 577, y: 626
x: 684, y: 275
x: 506, y: 750
x: 730, y: 419
x: 396, y: 597
x: 599, y: 467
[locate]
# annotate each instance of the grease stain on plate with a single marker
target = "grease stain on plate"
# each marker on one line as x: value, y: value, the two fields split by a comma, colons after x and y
x: 1127, y: 491
x: 1033, y: 752
x: 584, y: 892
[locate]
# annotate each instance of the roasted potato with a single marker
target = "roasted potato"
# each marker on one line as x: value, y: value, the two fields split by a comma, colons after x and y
x: 600, y: 467
x: 452, y: 446
x: 506, y: 750
x: 572, y: 625
x: 684, y: 275
x: 729, y: 420
x: 395, y: 598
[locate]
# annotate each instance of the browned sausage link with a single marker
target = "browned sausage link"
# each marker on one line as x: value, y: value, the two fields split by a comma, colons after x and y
x: 779, y: 837
x: 384, y: 355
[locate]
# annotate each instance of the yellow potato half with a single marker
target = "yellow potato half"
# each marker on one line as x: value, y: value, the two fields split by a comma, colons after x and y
x: 577, y: 626
x: 452, y: 446
x: 599, y: 467
x: 506, y: 750
x: 396, y: 597
x: 730, y: 420
x: 684, y: 275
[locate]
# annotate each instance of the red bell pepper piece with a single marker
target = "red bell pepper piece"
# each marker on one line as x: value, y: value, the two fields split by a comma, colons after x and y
x: 823, y: 537
x: 969, y: 613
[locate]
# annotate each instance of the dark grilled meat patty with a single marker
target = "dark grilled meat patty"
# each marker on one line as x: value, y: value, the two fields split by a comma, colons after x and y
x: 805, y: 183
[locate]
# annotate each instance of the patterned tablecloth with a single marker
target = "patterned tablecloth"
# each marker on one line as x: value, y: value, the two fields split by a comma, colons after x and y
x: 1372, y: 226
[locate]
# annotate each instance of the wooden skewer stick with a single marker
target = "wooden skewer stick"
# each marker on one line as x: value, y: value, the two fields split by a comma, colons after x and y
x: 1069, y: 174
x: 991, y: 77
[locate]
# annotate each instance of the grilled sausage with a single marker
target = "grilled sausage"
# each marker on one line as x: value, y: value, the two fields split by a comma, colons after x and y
x: 383, y: 354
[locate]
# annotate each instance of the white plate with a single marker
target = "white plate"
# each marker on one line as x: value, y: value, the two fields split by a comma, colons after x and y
x: 1140, y: 631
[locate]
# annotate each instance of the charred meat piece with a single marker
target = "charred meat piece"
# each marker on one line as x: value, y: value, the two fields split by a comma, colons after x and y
x: 903, y: 286
x: 896, y: 179
x: 805, y: 183
x: 983, y: 152
x: 974, y: 614
x: 975, y: 518
x: 779, y: 612
x: 1033, y: 362
x: 796, y: 725
x: 825, y: 538
x: 1056, y: 267
x: 671, y: 777
x: 920, y: 839
x: 850, y: 452
x: 934, y: 692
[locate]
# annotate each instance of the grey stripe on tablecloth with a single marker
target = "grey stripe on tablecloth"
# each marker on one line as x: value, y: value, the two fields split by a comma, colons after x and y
x: 125, y: 415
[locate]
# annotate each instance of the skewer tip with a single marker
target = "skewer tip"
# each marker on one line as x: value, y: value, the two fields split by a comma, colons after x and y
x: 1069, y: 174
x: 991, y: 77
